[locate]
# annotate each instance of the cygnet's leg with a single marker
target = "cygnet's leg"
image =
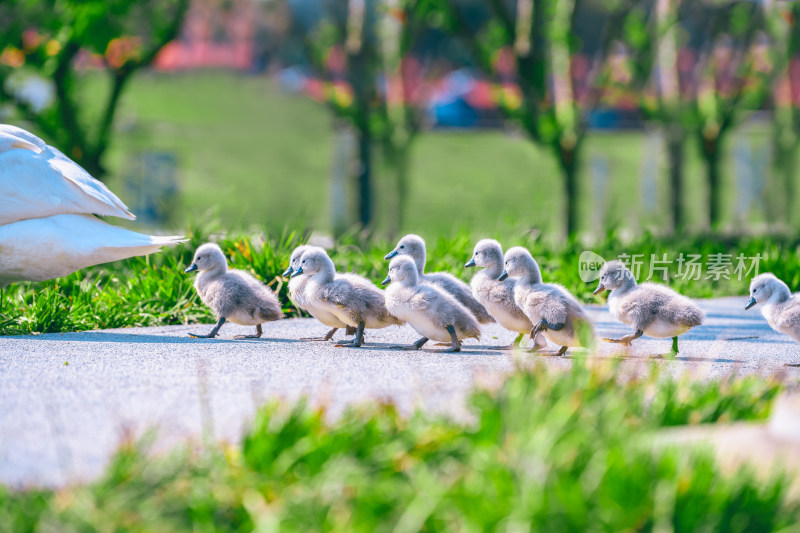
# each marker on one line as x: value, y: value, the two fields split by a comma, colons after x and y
x: 212, y: 333
x: 627, y: 339
x: 514, y: 344
x: 672, y: 353
x: 544, y: 325
x: 455, y: 345
x: 358, y: 340
x: 416, y: 346
x: 327, y: 336
x: 258, y: 334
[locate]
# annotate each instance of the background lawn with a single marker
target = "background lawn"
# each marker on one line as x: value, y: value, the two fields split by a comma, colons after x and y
x: 252, y: 155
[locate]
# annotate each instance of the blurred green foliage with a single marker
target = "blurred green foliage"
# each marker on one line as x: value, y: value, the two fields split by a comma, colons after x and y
x: 44, y: 39
x: 154, y: 290
x: 548, y: 451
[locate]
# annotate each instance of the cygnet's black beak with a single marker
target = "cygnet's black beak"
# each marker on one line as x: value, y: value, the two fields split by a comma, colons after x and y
x: 599, y: 289
x: 287, y: 272
x: 751, y: 303
x: 390, y: 254
x: 297, y: 272
x: 503, y: 276
x: 470, y: 263
x: 387, y: 281
x: 191, y: 268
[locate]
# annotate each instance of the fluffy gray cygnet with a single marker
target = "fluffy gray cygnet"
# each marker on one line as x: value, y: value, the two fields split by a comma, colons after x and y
x: 498, y: 296
x: 233, y: 295
x: 297, y: 292
x: 779, y: 306
x: 414, y: 247
x: 652, y: 309
x: 351, y: 298
x: 432, y: 312
x: 550, y: 307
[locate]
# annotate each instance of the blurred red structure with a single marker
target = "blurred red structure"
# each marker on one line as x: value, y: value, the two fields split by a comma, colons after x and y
x: 215, y: 34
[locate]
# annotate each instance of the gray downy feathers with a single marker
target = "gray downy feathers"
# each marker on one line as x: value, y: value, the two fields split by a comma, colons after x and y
x: 498, y: 296
x: 426, y: 307
x: 652, y: 308
x: 548, y: 301
x: 233, y: 294
x: 350, y: 297
x: 414, y: 247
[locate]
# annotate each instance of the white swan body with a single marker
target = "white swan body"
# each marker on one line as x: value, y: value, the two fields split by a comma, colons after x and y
x: 46, y: 205
x: 51, y: 247
x: 37, y: 180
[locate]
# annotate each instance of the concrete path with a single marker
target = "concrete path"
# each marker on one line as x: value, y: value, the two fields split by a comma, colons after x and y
x: 68, y: 400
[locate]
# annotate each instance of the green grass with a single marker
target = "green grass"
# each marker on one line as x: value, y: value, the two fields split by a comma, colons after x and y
x: 251, y: 155
x: 549, y: 451
x: 154, y: 291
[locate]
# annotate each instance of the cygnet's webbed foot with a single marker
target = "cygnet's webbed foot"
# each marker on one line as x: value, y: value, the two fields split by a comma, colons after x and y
x: 627, y: 339
x: 211, y: 334
x: 356, y: 341
x: 416, y: 346
x: 328, y: 336
x: 258, y: 334
x: 559, y: 353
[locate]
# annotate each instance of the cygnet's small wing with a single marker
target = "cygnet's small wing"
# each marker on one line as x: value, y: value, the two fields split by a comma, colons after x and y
x: 461, y: 292
x: 554, y: 307
x: 652, y: 301
x: 263, y: 301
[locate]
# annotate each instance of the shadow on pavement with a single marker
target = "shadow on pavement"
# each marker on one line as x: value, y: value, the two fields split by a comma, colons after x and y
x: 465, y: 350
x: 102, y: 336
x: 662, y: 357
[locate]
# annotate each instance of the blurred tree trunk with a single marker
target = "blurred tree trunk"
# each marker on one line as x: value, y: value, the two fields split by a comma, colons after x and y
x: 568, y: 164
x: 784, y: 145
x: 552, y: 109
x: 676, y: 151
x: 364, y: 177
x: 712, y: 158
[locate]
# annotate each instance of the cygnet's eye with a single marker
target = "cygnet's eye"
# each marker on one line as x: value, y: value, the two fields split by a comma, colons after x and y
x: 304, y: 261
x: 755, y: 291
x: 476, y: 254
x: 403, y: 246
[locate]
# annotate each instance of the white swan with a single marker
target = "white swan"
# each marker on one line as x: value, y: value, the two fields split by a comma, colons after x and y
x: 46, y: 205
x: 37, y: 180
x: 51, y: 247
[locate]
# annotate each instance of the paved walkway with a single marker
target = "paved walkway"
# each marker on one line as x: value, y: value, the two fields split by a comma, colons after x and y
x: 67, y: 400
